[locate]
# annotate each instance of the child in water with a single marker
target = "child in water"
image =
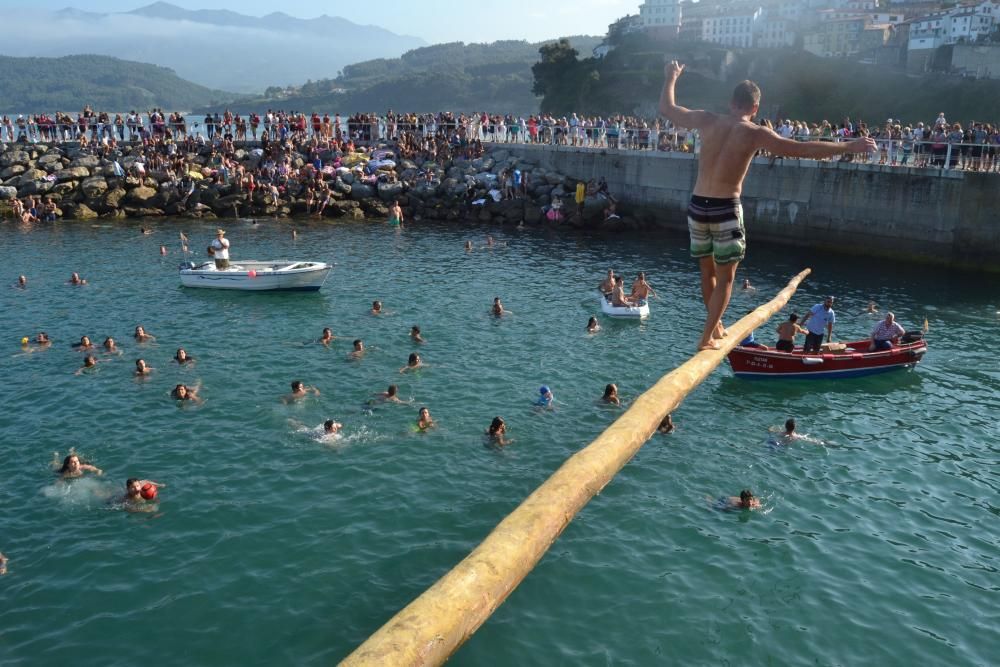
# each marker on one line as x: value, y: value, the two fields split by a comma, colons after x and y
x: 497, y: 431
x: 545, y: 398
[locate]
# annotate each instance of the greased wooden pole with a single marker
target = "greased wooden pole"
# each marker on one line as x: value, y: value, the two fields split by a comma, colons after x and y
x: 432, y: 627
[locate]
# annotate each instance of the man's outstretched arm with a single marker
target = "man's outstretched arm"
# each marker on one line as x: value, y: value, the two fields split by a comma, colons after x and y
x: 817, y: 150
x: 679, y: 116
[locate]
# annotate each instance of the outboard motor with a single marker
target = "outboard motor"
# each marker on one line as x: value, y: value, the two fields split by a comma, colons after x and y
x: 186, y: 265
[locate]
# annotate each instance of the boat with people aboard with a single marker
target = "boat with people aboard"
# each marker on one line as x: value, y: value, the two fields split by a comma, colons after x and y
x: 257, y: 276
x: 835, y: 360
x: 639, y: 311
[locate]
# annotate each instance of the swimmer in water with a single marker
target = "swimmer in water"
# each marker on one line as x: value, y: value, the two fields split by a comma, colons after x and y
x: 497, y: 432
x: 611, y: 394
x: 413, y: 363
x: 424, y: 420
x: 141, y: 336
x: 666, y: 426
x: 468, y: 246
x: 790, y: 429
x: 331, y: 427
x: 545, y: 398
x: 145, y: 231
x: 745, y: 501
x: 22, y: 282
x: 89, y: 362
x: 747, y: 287
x: 358, y: 351
x: 141, y: 369
x: 872, y: 310
x: 299, y: 391
x: 42, y: 339
x: 489, y: 241
x: 415, y: 334
x: 183, y: 358
x: 376, y: 307
x: 3, y: 565
x: 110, y: 347
x: 75, y: 279
x: 498, y: 310
x: 133, y: 501
x: 84, y: 344
x: 73, y: 467
x: 391, y: 395
x: 163, y: 250
x: 327, y: 336
x: 184, y: 393
x: 592, y: 325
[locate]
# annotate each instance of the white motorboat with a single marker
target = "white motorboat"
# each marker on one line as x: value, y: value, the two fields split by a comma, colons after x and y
x: 639, y: 311
x: 256, y: 276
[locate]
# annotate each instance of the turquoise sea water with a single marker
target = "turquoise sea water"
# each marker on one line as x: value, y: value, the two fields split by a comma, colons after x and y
x: 878, y: 543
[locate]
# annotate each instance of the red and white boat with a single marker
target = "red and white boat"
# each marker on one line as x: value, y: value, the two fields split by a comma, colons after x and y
x: 854, y: 360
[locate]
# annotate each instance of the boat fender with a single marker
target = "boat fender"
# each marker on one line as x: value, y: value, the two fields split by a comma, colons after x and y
x: 812, y: 361
x: 251, y: 273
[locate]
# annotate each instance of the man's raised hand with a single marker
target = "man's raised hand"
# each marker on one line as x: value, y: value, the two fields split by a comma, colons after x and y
x: 673, y: 69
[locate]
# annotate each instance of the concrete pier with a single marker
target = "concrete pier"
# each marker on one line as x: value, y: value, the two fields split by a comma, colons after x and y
x: 934, y: 215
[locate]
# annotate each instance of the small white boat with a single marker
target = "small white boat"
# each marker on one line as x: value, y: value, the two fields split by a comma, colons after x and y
x: 255, y: 276
x: 638, y: 312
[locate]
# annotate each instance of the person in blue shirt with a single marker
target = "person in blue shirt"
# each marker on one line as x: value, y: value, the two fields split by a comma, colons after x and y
x: 820, y: 317
x: 545, y: 397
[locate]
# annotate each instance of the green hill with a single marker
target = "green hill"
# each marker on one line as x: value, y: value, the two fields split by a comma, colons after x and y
x: 454, y: 76
x: 32, y: 85
x: 795, y: 84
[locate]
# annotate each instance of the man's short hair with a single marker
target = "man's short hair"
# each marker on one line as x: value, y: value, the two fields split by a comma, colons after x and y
x: 746, y: 95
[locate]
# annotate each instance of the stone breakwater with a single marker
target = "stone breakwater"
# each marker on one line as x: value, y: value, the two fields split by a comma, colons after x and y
x: 86, y: 186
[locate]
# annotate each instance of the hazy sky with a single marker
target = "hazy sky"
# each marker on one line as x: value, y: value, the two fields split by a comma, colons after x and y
x: 433, y: 20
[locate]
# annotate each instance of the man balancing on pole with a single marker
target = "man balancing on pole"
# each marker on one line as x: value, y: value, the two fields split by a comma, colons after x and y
x: 715, y: 215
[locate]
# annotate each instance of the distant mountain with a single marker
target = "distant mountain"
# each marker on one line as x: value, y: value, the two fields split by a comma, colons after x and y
x: 215, y: 48
x: 454, y: 76
x: 35, y: 85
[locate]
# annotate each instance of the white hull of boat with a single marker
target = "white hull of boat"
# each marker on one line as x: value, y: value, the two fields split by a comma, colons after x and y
x: 639, y: 312
x: 256, y: 276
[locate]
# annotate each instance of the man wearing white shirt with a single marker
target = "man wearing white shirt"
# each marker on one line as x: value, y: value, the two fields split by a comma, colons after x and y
x: 221, y: 247
x: 819, y: 317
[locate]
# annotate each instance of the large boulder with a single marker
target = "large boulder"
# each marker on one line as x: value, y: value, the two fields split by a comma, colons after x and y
x: 11, y: 171
x: 72, y: 174
x: 50, y: 161
x: 7, y: 192
x: 342, y: 187
x: 75, y: 211
x: 34, y: 188
x: 64, y: 188
x: 389, y: 191
x: 14, y: 157
x: 114, y: 197
x: 94, y: 186
x: 360, y: 192
x: 32, y: 175
x: 141, y: 195
x: 89, y: 161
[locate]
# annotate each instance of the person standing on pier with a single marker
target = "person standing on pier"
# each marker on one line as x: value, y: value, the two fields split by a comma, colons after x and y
x: 715, y: 214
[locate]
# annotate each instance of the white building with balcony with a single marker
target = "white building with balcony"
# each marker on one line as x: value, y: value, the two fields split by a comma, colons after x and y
x: 736, y: 28
x: 660, y: 16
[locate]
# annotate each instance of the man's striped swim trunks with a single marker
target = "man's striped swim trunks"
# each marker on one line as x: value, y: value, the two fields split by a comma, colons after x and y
x: 716, y: 228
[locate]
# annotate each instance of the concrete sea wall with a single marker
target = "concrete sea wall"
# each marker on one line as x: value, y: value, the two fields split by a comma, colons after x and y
x: 932, y: 215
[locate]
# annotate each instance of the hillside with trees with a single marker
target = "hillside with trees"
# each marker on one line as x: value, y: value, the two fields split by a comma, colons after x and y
x: 35, y: 85
x: 795, y: 84
x: 454, y: 76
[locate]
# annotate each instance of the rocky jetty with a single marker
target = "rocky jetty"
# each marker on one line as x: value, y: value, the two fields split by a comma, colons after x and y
x: 85, y: 186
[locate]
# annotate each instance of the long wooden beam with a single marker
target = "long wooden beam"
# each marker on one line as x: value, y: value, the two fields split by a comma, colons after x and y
x: 432, y: 627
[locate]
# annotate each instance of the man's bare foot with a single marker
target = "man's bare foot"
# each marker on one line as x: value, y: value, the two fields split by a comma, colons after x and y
x: 720, y: 332
x: 710, y: 345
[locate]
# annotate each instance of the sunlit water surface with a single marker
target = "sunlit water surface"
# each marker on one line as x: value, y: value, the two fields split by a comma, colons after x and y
x: 877, y: 544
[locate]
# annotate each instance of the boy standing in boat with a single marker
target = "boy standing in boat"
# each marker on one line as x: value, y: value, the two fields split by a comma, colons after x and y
x: 715, y: 215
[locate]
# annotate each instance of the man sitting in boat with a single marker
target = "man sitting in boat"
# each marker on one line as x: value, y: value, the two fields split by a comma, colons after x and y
x: 886, y: 333
x: 607, y: 285
x: 641, y: 290
x: 618, y: 298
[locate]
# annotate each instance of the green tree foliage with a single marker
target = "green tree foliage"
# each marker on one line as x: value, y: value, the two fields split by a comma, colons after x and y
x: 32, y: 85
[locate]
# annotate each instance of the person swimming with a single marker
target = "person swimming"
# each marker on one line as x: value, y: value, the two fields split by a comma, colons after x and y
x: 390, y: 395
x: 790, y: 429
x: 89, y: 362
x: 666, y: 426
x: 134, y: 499
x: 73, y: 467
x: 376, y: 308
x: 497, y: 432
x: 184, y: 393
x: 424, y: 420
x: 182, y: 357
x: 327, y: 336
x: 110, y: 347
x: 413, y: 363
x: 75, y: 279
x: 358, y: 351
x: 22, y: 282
x: 545, y: 398
x: 498, y: 310
x: 745, y: 501
x: 468, y: 246
x: 611, y: 394
x: 592, y: 325
x: 84, y: 344
x: 141, y: 369
x: 42, y: 339
x: 331, y: 427
x: 415, y: 334
x: 299, y: 391
x: 141, y: 336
